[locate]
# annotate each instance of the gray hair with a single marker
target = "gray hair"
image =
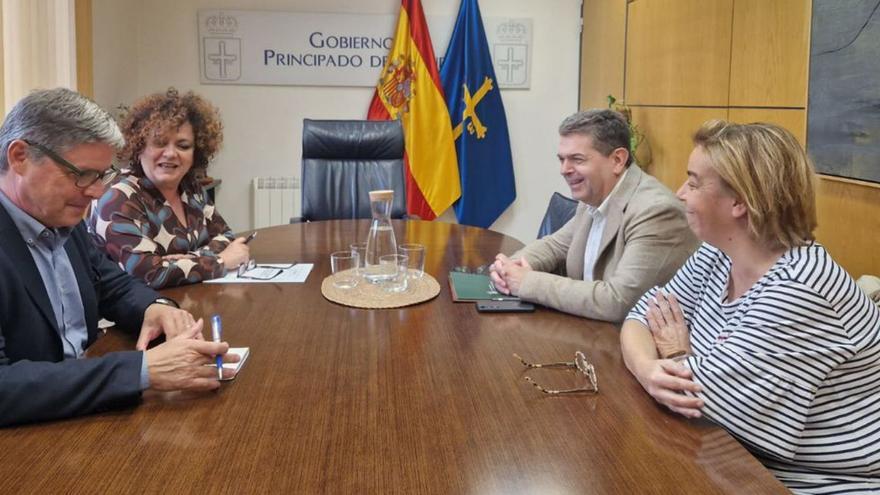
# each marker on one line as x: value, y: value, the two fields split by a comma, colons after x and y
x: 58, y: 119
x: 608, y: 129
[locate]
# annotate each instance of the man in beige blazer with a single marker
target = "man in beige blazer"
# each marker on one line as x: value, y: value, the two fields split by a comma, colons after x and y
x: 629, y: 232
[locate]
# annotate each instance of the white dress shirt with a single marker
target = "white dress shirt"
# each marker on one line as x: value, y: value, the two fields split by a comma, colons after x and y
x: 597, y: 228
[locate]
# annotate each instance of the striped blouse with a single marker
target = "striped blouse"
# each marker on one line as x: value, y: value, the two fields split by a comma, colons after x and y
x: 791, y: 368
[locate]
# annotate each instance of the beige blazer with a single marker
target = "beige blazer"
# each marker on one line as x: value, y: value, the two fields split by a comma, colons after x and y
x: 646, y: 239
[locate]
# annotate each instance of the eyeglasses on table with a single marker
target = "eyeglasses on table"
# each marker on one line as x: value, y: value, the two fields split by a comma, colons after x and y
x: 580, y: 363
x: 254, y: 271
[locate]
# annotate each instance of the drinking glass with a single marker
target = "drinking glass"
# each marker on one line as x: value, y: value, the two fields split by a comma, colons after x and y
x: 344, y: 266
x: 393, y: 268
x: 361, y: 249
x: 416, y: 255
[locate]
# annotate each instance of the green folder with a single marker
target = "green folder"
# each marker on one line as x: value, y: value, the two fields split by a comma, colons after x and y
x: 474, y: 287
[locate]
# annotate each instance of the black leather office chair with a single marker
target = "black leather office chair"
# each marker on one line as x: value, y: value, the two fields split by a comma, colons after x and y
x: 343, y: 160
x: 559, y: 212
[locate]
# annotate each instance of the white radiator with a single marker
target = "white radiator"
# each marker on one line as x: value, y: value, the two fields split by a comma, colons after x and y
x: 276, y: 200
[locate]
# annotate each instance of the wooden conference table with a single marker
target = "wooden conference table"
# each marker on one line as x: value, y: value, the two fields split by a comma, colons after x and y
x: 424, y: 399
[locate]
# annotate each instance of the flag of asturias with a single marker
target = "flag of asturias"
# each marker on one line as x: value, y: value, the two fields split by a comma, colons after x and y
x: 478, y: 121
x: 409, y: 90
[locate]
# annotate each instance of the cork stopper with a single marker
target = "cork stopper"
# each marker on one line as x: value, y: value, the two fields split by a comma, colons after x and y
x: 383, y: 195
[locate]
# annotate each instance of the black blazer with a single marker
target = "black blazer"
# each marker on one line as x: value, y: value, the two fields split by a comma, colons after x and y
x: 36, y: 382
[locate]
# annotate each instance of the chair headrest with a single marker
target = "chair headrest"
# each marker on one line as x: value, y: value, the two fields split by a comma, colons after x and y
x: 352, y: 139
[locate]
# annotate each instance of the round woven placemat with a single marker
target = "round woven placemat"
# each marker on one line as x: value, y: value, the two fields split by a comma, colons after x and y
x: 372, y: 296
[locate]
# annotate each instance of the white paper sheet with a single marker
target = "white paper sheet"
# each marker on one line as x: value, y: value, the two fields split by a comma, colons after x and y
x: 297, y: 274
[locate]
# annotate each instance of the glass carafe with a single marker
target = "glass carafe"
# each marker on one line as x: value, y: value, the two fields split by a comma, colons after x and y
x: 380, y: 240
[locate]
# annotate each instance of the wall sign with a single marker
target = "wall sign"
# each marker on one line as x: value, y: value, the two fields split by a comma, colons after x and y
x: 294, y: 49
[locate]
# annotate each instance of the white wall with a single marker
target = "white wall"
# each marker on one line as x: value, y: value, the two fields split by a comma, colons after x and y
x: 146, y: 46
x: 115, y: 56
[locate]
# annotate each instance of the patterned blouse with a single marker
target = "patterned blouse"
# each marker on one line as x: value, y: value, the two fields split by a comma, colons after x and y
x: 135, y: 226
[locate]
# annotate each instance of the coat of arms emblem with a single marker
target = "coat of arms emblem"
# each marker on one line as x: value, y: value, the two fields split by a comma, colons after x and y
x: 396, y: 85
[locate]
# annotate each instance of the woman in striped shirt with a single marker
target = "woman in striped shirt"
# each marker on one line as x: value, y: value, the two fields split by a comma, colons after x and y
x: 761, y: 331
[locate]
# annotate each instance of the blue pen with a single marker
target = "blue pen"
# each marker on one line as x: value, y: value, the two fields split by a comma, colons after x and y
x: 216, y: 335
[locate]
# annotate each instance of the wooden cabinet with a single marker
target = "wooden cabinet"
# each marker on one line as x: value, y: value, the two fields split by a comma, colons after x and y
x: 678, y: 52
x: 688, y: 61
x: 769, y: 53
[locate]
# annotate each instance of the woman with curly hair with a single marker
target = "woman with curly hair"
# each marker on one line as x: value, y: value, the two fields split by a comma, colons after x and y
x: 155, y: 221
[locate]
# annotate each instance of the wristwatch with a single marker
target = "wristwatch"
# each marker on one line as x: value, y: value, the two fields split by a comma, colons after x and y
x: 167, y: 302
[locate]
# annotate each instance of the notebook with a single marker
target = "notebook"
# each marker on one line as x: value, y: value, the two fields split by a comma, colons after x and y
x: 467, y: 287
x: 244, y: 352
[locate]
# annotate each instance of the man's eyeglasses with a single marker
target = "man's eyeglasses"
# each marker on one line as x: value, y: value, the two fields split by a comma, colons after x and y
x: 84, y: 178
x: 254, y: 271
x: 580, y: 363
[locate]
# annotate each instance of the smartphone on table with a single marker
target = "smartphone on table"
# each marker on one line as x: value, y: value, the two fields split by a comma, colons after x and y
x: 506, y: 306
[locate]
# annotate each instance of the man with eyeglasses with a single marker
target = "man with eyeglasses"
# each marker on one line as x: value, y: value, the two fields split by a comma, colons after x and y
x: 56, y: 149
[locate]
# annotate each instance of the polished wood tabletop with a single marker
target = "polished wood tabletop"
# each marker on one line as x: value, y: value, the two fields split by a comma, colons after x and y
x: 423, y: 399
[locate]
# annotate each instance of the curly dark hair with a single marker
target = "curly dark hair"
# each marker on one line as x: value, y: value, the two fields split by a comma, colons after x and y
x: 156, y: 114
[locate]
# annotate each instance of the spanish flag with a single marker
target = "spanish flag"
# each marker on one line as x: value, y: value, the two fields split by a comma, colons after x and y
x: 410, y: 90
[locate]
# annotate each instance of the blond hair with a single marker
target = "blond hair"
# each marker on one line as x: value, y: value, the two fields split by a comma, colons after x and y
x: 766, y: 167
